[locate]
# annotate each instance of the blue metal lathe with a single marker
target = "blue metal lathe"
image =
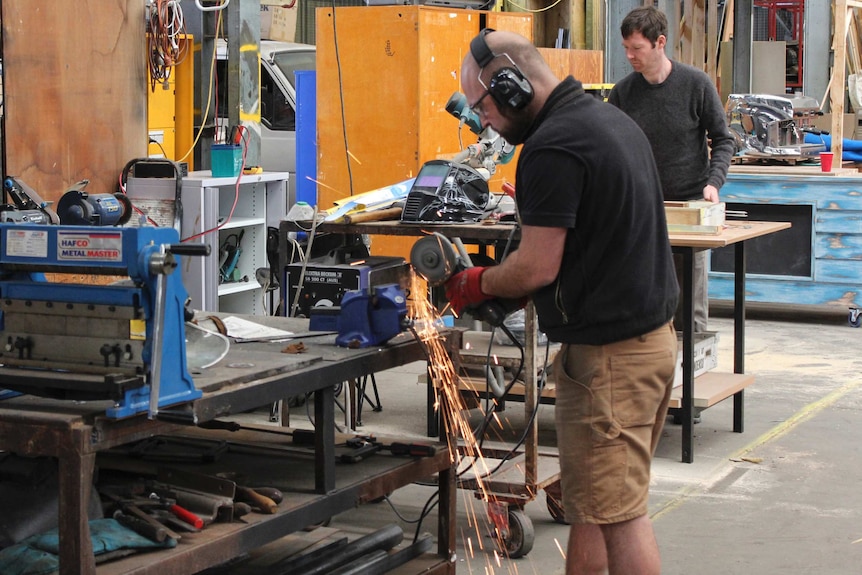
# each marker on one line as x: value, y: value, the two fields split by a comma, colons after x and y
x: 123, y: 342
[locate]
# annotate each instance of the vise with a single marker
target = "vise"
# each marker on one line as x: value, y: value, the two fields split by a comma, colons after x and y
x: 124, y: 341
x: 372, y: 316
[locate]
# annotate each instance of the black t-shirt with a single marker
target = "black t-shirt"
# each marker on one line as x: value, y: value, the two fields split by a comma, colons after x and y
x: 588, y: 167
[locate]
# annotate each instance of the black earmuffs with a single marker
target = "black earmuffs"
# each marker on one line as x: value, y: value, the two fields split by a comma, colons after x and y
x: 508, y: 86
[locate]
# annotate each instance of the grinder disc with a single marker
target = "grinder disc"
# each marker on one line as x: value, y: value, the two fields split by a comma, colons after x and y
x: 434, y: 258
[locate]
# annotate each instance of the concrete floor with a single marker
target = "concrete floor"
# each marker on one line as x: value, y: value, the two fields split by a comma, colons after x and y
x: 782, y: 497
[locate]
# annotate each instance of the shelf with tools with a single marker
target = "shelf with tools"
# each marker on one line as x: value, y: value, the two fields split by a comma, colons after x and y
x: 314, y: 480
x: 221, y: 461
x: 233, y: 217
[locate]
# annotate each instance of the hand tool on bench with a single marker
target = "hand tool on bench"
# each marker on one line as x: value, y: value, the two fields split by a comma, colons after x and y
x: 257, y: 501
x: 130, y: 506
x: 299, y: 436
x: 145, y: 528
x: 365, y: 446
x: 207, y: 496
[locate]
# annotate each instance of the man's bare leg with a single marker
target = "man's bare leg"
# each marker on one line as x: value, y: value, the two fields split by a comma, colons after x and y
x: 627, y: 548
x: 586, y: 553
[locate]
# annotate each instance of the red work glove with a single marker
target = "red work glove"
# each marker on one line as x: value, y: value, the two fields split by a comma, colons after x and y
x: 464, y: 289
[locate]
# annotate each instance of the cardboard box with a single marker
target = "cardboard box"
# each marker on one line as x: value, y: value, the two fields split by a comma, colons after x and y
x: 283, y: 27
x: 851, y: 126
x: 265, y: 21
x: 705, y: 355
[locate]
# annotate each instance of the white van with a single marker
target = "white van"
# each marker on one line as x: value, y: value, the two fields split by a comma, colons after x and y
x: 278, y: 63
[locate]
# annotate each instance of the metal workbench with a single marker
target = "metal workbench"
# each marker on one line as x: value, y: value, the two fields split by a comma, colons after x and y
x: 251, y: 375
x: 526, y: 471
x: 686, y: 400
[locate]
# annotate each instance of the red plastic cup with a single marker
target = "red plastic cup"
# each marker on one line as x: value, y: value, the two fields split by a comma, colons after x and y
x: 825, y: 161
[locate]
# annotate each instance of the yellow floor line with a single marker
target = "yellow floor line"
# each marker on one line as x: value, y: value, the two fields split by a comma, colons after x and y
x: 779, y: 430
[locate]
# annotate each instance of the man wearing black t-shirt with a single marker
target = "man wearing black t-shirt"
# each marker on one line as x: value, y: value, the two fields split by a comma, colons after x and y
x: 594, y: 257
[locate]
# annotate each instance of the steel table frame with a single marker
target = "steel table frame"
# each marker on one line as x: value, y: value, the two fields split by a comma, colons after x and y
x: 74, y: 433
x: 736, y: 233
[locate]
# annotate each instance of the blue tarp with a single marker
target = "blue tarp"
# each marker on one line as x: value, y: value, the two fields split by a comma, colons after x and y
x: 852, y: 148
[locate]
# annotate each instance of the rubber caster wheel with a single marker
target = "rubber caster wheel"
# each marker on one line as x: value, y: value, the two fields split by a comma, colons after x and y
x: 522, y: 535
x: 555, y: 508
x: 854, y: 318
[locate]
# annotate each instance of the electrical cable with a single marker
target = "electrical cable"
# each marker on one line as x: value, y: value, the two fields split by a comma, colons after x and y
x: 530, y: 420
x: 215, y: 8
x: 341, y: 96
x: 235, y: 199
x: 165, y: 49
x: 398, y: 514
x: 426, y: 509
x: 295, y: 304
x: 206, y: 112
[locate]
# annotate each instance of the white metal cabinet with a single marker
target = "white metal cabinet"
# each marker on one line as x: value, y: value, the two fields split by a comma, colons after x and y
x: 215, y: 208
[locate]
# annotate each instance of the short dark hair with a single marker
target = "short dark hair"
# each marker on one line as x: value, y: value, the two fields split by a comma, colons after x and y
x: 647, y: 20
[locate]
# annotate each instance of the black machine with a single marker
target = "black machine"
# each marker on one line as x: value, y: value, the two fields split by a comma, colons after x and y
x: 322, y: 283
x: 446, y: 192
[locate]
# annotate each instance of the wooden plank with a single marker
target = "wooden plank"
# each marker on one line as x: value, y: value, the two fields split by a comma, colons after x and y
x: 797, y: 170
x: 712, y: 387
x: 75, y: 100
x: 585, y: 65
x: 712, y: 42
x: 733, y: 232
x: 836, y: 87
x: 698, y: 44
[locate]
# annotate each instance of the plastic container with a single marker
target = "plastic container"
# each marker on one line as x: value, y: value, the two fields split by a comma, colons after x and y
x: 226, y: 160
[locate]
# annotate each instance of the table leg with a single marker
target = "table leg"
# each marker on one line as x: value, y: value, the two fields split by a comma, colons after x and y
x: 739, y: 333
x: 76, y: 484
x: 687, y: 295
x: 324, y: 440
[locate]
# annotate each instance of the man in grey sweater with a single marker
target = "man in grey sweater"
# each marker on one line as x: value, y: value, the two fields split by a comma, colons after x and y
x: 678, y: 108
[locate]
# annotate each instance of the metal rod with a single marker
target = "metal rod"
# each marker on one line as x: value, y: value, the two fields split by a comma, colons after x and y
x: 158, y: 329
x: 385, y: 538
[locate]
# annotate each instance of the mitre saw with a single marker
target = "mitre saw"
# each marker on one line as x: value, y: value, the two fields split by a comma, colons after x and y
x: 491, y: 149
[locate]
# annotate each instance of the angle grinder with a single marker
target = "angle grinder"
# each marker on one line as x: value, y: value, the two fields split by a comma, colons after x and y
x: 437, y: 258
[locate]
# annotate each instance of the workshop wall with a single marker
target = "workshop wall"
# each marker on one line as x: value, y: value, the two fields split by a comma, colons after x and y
x: 75, y: 97
x: 396, y: 67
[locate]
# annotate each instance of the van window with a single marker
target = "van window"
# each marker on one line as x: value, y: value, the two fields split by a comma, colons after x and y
x: 290, y: 62
x: 275, y: 111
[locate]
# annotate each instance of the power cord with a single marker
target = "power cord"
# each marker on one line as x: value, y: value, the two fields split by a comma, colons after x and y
x: 165, y: 48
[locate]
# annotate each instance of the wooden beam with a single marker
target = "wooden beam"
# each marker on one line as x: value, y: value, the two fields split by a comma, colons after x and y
x: 712, y: 42
x: 698, y: 40
x: 836, y: 89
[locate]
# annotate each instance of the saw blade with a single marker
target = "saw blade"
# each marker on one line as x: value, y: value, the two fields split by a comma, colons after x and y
x: 434, y: 258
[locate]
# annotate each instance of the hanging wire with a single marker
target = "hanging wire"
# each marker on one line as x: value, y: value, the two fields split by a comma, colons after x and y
x: 166, y: 45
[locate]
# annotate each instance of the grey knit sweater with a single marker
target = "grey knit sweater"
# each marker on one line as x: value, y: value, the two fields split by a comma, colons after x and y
x: 678, y: 116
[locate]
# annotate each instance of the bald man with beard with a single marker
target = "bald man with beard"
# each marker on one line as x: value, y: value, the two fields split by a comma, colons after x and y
x: 594, y: 256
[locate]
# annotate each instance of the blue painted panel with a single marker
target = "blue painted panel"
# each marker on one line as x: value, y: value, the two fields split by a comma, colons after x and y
x: 838, y: 271
x: 836, y: 241
x: 824, y: 192
x: 838, y: 246
x: 788, y: 291
x: 838, y: 221
x: 306, y: 136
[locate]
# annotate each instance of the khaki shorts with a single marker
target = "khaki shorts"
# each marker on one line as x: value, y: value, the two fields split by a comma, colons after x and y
x: 610, y: 409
